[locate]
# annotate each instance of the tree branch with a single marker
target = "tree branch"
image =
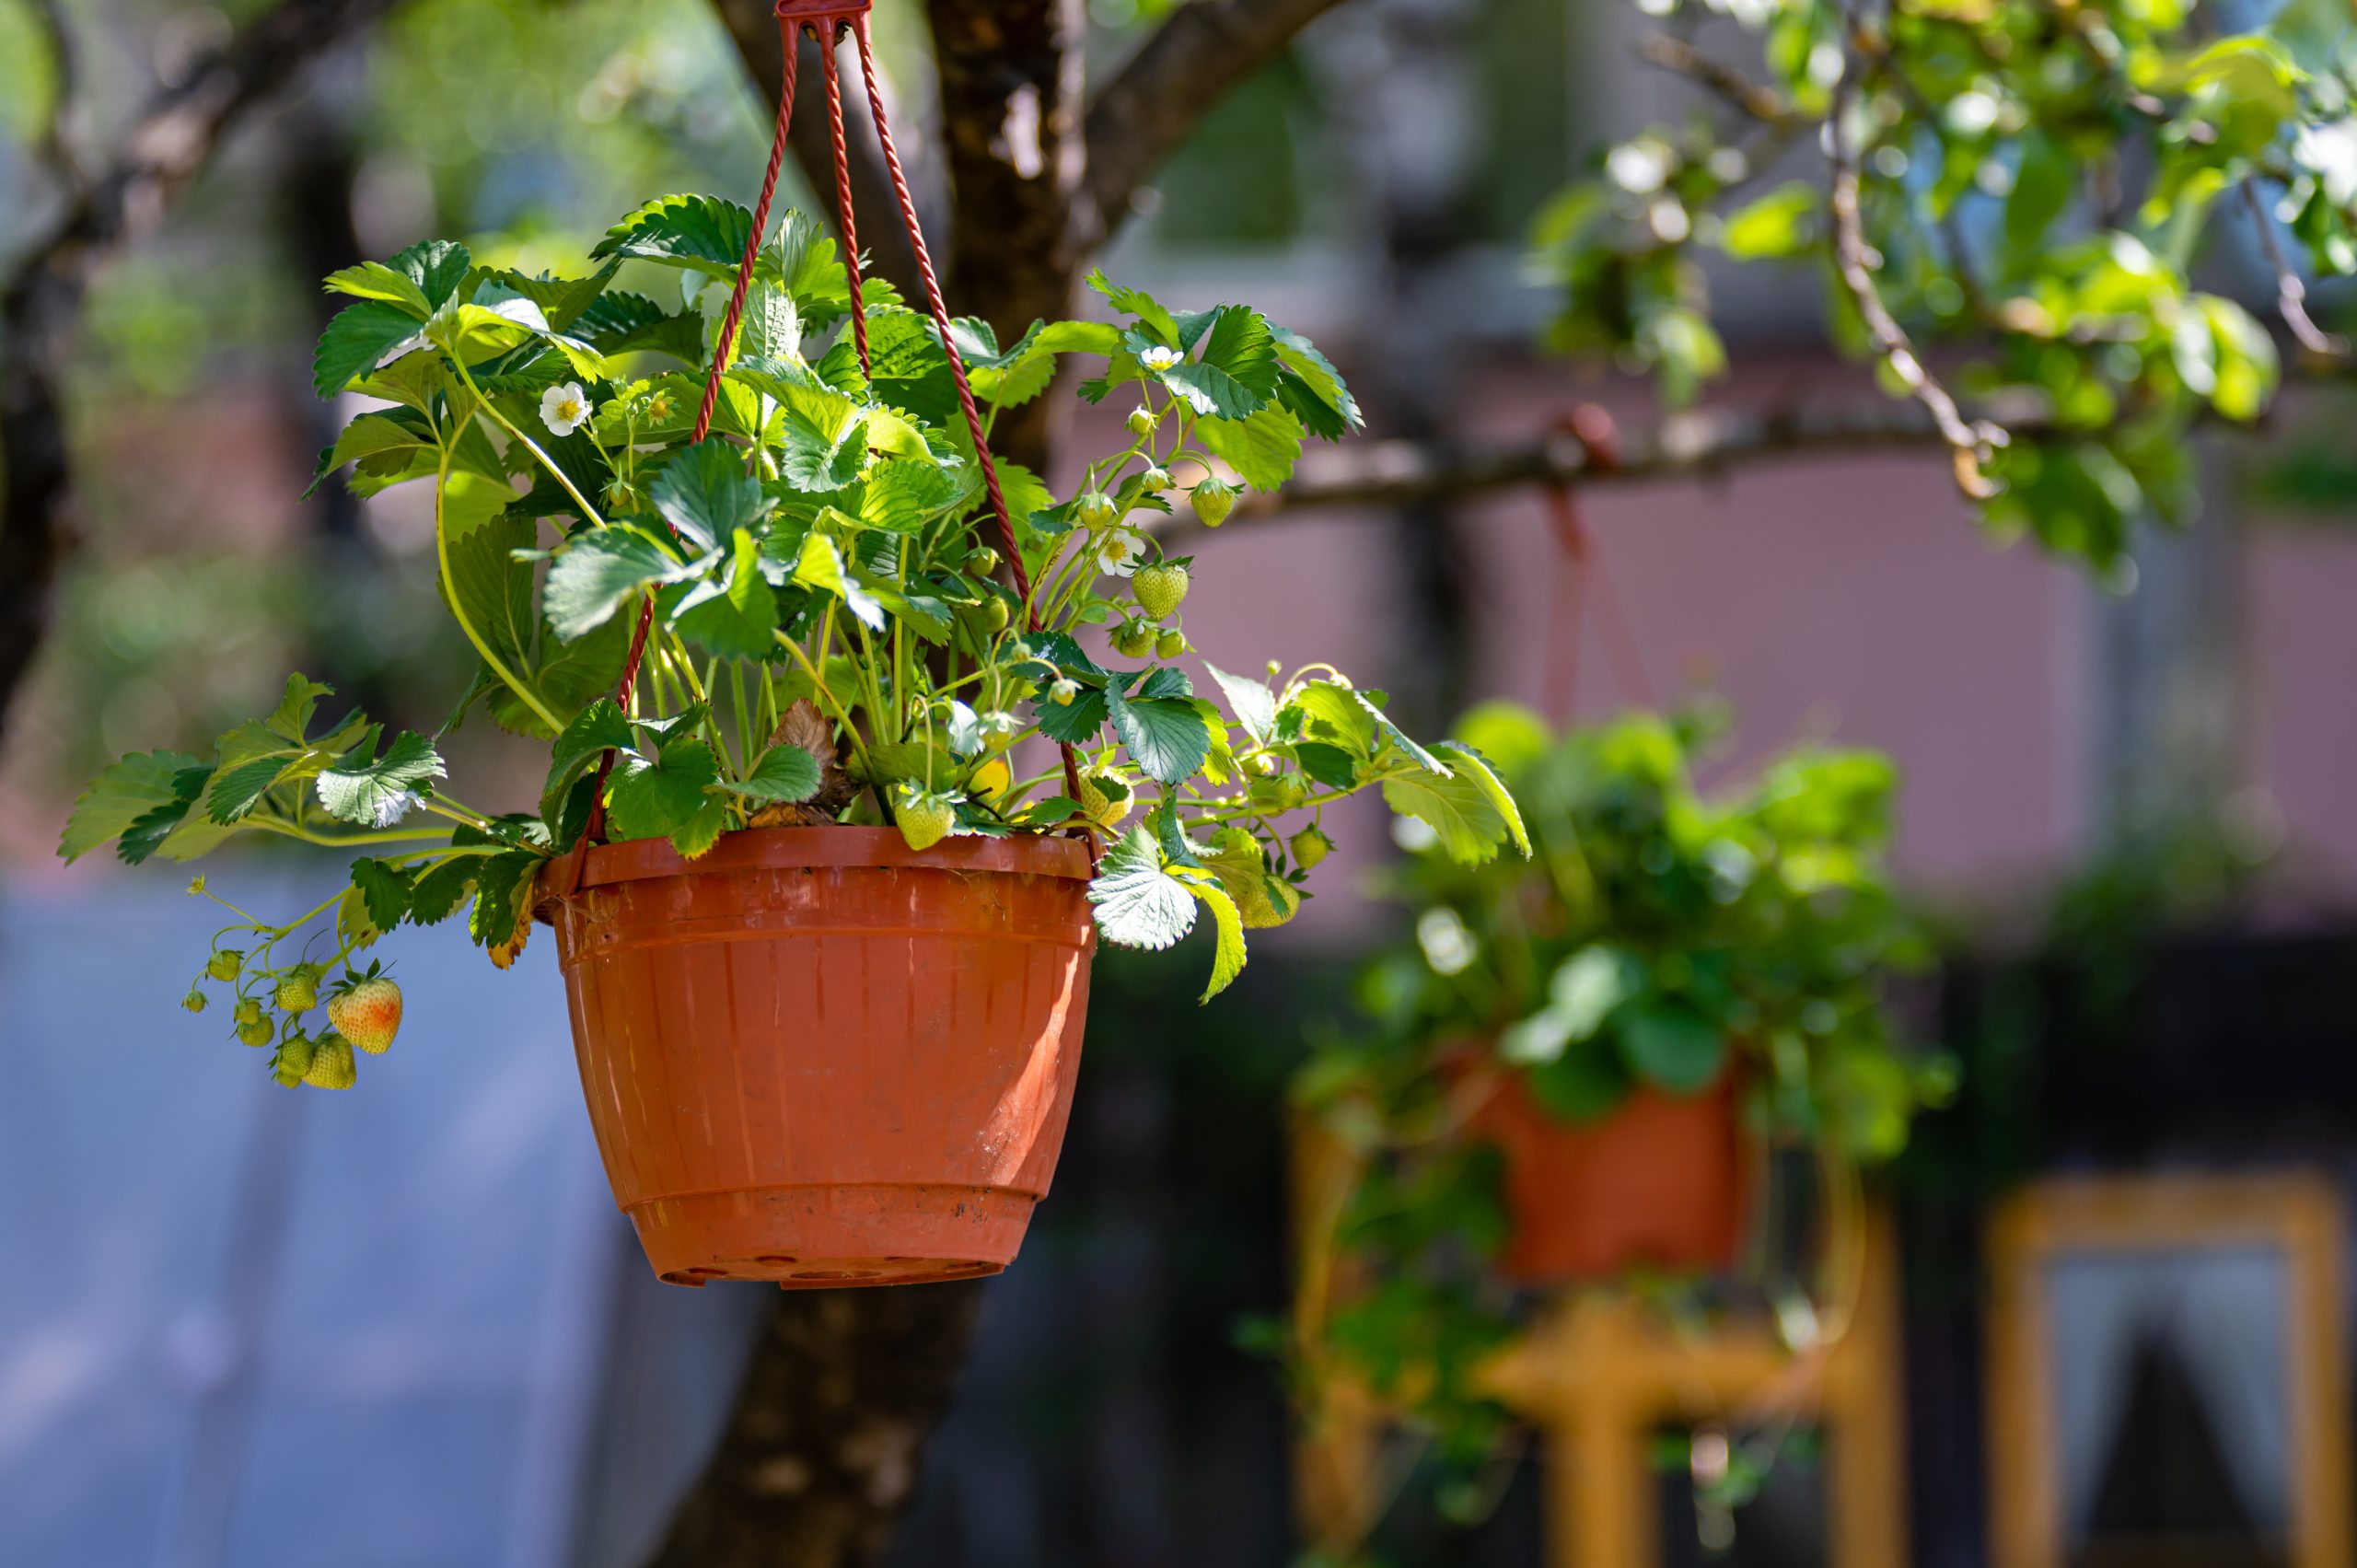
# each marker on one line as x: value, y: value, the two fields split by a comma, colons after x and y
x: 1971, y: 446
x: 161, y: 153
x: 1186, y: 69
x: 2291, y: 292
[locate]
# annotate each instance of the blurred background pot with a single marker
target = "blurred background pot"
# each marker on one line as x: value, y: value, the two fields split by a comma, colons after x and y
x: 1665, y: 1182
x: 819, y: 1058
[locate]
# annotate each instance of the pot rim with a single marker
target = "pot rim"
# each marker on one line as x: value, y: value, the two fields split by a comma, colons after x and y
x: 758, y: 849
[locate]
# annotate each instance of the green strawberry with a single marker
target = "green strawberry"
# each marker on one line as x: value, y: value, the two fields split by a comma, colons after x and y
x: 298, y: 992
x: 1154, y: 481
x: 332, y: 1064
x: 1170, y: 644
x: 1159, y: 589
x: 225, y: 964
x: 1309, y: 846
x: 255, y: 1032
x: 1142, y: 420
x: 983, y: 561
x: 193, y: 1001
x: 1095, y: 510
x: 926, y: 820
x: 293, y: 1061
x: 367, y: 1012
x: 1063, y: 693
x: 1213, y: 499
x: 1132, y: 639
x: 1100, y: 805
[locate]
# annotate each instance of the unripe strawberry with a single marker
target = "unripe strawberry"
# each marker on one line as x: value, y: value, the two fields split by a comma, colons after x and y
x: 1170, y: 644
x: 1098, y: 804
x: 294, y: 1060
x: 298, y: 992
x: 1213, y: 499
x: 991, y: 779
x: 982, y: 562
x: 995, y: 614
x: 1160, y: 588
x: 925, y: 819
x: 193, y: 1001
x: 1142, y: 420
x: 255, y: 1031
x: 1132, y: 639
x: 1155, y: 479
x: 332, y: 1064
x: 367, y: 1013
x: 1266, y: 765
x: 1097, y: 510
x: 1309, y: 846
x: 225, y: 964
x: 1063, y: 693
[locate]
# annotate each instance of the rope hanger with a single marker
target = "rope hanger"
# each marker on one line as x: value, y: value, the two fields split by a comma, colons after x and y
x: 828, y: 21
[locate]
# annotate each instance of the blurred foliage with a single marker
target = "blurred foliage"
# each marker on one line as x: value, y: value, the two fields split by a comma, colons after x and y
x: 1658, y: 938
x: 2041, y: 184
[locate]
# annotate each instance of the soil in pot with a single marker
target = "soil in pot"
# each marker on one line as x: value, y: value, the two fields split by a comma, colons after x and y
x: 817, y: 1058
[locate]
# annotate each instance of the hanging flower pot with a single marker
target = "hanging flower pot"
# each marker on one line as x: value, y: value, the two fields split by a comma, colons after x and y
x: 818, y: 1057
x: 1662, y: 1182
x: 790, y: 638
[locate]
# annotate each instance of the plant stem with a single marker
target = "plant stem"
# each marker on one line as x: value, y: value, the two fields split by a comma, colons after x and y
x: 589, y: 513
x: 450, y: 596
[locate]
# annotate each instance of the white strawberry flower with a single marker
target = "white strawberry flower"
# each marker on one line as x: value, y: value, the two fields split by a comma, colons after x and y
x: 565, y: 408
x: 1119, y: 551
x: 1158, y: 357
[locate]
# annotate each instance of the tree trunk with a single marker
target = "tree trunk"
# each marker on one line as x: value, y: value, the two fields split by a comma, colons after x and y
x: 820, y: 1457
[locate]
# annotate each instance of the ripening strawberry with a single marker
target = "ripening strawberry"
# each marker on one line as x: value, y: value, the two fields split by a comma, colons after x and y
x: 332, y: 1064
x: 1159, y: 589
x: 367, y: 1012
x: 925, y: 818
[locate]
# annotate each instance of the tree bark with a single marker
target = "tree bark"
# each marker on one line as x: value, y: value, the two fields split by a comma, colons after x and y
x: 41, y: 304
x: 820, y: 1457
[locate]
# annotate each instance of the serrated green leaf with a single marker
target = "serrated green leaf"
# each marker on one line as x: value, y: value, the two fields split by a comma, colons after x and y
x: 377, y: 794
x: 1313, y: 388
x: 596, y: 730
x: 701, y: 232
x: 1263, y: 449
x: 705, y: 493
x: 236, y: 791
x: 655, y: 798
x: 361, y: 338
x: 1335, y: 715
x: 597, y: 571
x: 821, y: 566
x: 1254, y: 706
x: 1456, y: 808
x: 122, y: 793
x: 1227, y: 954
x: 702, y: 830
x: 1138, y: 303
x: 1166, y: 736
x: 374, y: 280
x: 785, y: 774
x: 1468, y: 763
x: 1137, y: 903
x: 438, y: 891
x: 735, y: 616
x: 437, y: 266
x: 384, y: 888
x: 496, y: 914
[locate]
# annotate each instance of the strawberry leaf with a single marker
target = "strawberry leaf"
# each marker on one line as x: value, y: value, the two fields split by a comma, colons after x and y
x: 126, y: 791
x: 1138, y: 903
x: 379, y: 793
x: 785, y: 774
x: 653, y: 797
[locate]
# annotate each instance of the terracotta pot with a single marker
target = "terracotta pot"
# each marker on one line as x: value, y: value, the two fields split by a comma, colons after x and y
x: 817, y: 1057
x: 1664, y: 1182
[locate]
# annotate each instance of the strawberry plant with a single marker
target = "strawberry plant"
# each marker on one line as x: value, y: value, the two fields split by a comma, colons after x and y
x: 825, y: 640
x: 1657, y: 939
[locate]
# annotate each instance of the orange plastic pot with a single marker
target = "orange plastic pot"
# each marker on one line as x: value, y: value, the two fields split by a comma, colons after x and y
x: 817, y: 1057
x: 1663, y: 1183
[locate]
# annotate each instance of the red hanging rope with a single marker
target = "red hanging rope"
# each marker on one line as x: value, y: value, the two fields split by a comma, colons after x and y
x: 826, y: 20
x: 1580, y: 561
